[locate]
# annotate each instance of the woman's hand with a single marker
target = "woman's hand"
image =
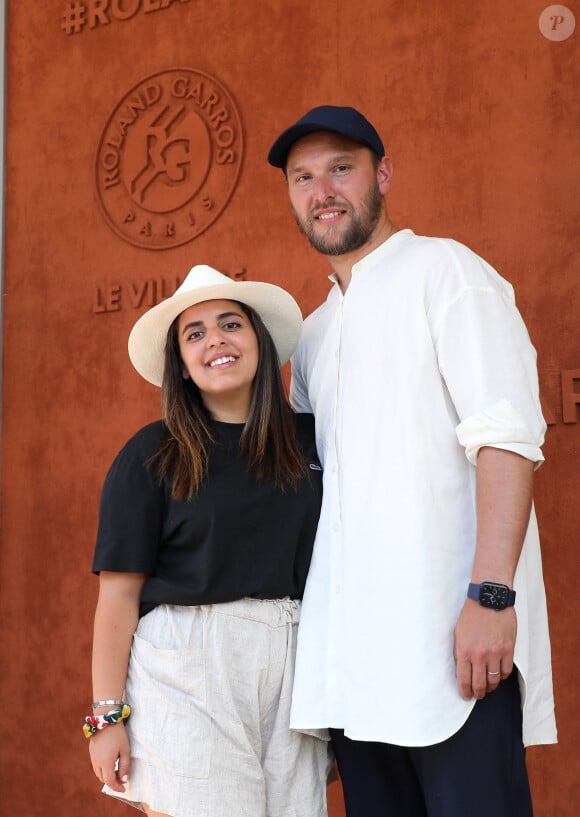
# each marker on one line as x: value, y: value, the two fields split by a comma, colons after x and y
x: 110, y: 755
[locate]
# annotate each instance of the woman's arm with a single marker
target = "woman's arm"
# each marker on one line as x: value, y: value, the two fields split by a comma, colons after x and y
x: 116, y: 619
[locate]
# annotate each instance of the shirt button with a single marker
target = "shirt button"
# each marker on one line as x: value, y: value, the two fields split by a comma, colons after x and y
x: 336, y: 527
x: 337, y: 588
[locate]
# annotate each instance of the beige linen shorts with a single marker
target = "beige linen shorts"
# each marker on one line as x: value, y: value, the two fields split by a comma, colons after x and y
x: 210, y: 689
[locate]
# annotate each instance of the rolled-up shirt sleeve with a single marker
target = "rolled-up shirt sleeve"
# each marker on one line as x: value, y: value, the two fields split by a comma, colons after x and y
x: 298, y: 389
x: 500, y: 426
x: 489, y: 367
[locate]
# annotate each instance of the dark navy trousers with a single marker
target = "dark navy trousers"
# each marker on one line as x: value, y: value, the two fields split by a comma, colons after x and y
x: 478, y: 772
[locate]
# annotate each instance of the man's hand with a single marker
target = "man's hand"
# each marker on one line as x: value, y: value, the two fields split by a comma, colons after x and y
x: 484, y: 646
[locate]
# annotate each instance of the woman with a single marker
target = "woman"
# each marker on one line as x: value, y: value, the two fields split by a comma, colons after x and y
x: 206, y: 527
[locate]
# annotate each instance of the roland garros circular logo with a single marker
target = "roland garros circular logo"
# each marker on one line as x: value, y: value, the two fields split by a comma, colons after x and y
x: 169, y: 158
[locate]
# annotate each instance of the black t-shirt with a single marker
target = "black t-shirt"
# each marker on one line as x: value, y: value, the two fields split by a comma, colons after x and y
x: 238, y: 536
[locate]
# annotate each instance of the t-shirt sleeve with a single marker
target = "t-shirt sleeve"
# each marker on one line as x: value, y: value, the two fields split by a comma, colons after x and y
x: 132, y: 509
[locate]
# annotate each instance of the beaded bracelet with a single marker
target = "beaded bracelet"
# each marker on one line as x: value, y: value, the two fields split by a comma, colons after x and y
x: 93, y: 723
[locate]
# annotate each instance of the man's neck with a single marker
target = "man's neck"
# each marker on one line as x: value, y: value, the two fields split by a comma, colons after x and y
x: 342, y: 264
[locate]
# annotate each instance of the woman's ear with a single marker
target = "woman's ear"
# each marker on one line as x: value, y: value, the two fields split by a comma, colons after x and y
x: 184, y: 373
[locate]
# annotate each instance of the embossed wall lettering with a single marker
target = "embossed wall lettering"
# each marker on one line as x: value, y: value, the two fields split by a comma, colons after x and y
x: 136, y: 295
x: 169, y: 158
x: 570, y: 397
x: 81, y: 14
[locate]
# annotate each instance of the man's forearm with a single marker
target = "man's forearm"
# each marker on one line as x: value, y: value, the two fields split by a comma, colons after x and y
x: 504, y: 500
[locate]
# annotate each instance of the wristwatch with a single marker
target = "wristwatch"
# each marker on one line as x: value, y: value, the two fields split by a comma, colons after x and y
x: 490, y: 594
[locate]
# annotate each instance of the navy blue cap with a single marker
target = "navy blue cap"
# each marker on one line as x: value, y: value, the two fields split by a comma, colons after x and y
x: 345, y: 121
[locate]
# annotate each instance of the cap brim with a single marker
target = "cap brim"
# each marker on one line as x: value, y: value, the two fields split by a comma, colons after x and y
x: 278, y: 153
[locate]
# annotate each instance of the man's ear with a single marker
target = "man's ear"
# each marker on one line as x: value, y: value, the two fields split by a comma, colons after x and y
x: 384, y: 174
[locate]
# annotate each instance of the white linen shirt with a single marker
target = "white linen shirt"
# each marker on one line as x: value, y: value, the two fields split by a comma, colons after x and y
x: 424, y: 360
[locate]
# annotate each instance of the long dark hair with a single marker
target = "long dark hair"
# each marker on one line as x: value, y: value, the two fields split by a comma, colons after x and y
x: 269, y: 436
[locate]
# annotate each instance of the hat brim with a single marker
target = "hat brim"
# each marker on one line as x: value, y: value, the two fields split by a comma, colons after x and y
x: 277, y: 308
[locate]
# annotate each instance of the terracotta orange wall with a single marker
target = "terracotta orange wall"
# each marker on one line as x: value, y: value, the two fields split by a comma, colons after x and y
x: 481, y: 116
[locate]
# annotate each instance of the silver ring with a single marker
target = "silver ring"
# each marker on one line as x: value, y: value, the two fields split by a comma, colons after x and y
x: 494, y: 673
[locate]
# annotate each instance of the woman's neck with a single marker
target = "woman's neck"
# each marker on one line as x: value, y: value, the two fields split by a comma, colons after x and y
x: 226, y: 412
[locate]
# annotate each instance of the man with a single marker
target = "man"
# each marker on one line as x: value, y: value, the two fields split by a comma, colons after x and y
x: 423, y: 382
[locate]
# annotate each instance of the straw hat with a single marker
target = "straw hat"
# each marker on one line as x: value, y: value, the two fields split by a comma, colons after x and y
x: 277, y: 308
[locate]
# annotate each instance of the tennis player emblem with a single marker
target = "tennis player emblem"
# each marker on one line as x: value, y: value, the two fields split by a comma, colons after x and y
x: 169, y: 158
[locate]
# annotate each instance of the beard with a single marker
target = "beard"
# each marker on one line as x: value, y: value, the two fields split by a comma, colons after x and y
x: 357, y: 233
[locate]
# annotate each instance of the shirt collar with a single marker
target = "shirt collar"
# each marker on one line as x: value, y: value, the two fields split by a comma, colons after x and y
x: 381, y: 253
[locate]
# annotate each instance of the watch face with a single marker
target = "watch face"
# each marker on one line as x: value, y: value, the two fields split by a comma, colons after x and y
x: 493, y: 595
